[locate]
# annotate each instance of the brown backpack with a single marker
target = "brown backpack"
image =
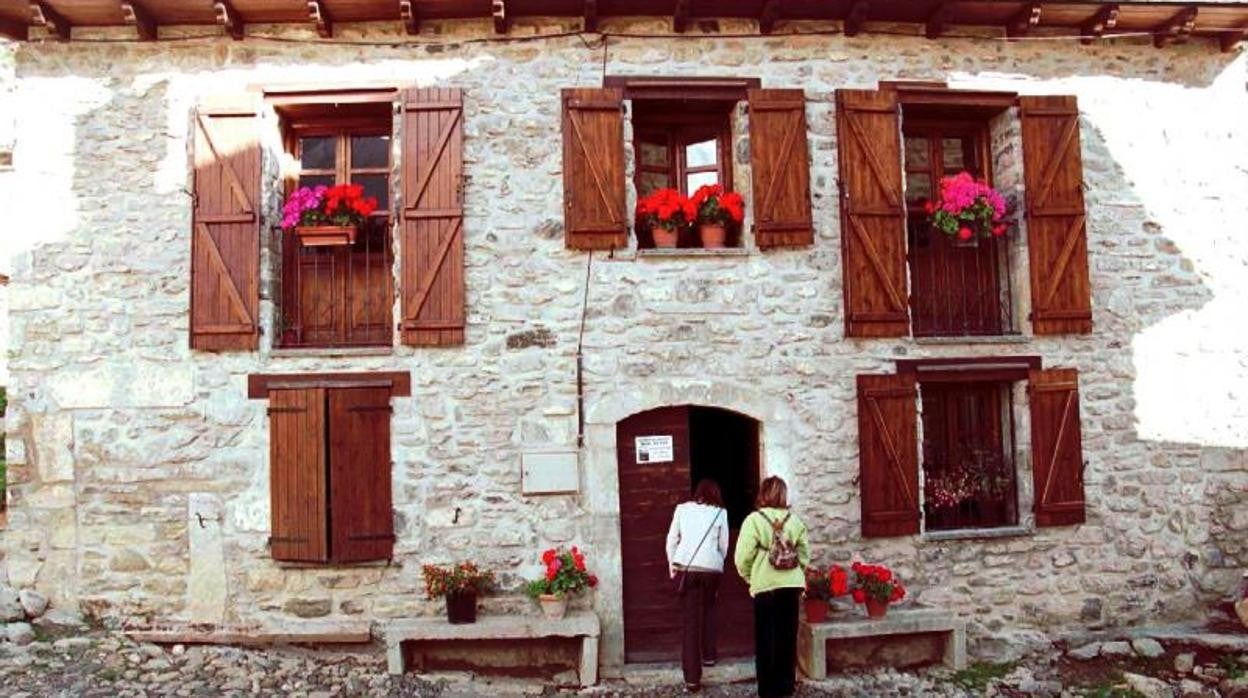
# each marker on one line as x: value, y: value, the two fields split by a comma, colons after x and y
x: 783, y: 552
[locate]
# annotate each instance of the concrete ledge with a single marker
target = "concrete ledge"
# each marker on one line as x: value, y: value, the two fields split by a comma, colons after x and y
x: 583, y: 624
x: 308, y: 632
x: 812, y: 638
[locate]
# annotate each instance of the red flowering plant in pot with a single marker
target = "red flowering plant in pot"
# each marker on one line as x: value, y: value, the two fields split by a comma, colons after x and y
x: 324, y: 215
x: 460, y: 584
x: 716, y: 211
x: 968, y: 209
x: 666, y: 212
x: 821, y: 587
x: 566, y: 574
x: 876, y: 587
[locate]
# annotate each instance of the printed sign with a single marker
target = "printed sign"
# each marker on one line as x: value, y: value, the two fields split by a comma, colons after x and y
x: 654, y: 449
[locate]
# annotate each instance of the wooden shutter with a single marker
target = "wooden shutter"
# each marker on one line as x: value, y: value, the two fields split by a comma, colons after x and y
x: 780, y: 168
x: 873, y: 213
x: 225, y: 228
x: 594, y: 216
x: 1057, y: 238
x: 1056, y: 447
x: 432, y: 235
x: 359, y: 474
x: 888, y: 455
x: 297, y: 484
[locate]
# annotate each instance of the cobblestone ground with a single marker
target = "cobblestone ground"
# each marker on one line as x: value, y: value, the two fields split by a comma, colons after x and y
x: 99, y: 664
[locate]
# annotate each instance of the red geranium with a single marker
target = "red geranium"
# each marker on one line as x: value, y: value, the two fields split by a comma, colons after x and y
x: 566, y: 573
x: 876, y: 582
x: 343, y: 204
x: 716, y: 207
x: 666, y: 208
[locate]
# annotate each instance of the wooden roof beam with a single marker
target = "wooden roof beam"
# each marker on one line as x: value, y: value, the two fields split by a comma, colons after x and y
x: 1229, y: 41
x: 137, y: 15
x: 938, y: 20
x: 228, y: 17
x: 409, y: 15
x: 14, y: 30
x: 1177, y: 29
x: 1023, y: 22
x: 42, y: 14
x: 318, y: 16
x: 769, y: 15
x: 1105, y: 19
x: 591, y: 15
x: 855, y: 18
x: 680, y: 16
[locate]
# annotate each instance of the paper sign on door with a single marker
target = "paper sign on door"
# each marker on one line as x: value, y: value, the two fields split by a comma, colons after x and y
x: 654, y: 449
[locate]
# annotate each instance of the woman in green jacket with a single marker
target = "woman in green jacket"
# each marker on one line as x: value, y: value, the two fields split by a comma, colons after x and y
x: 776, y: 592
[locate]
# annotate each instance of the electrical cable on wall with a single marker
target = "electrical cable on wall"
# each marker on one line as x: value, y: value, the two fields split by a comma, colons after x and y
x: 580, y: 365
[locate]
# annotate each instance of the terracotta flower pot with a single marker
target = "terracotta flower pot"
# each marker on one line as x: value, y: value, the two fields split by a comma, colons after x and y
x: 713, y: 236
x: 462, y: 607
x: 553, y: 607
x: 325, y: 235
x: 665, y: 237
x: 816, y: 610
x: 876, y: 609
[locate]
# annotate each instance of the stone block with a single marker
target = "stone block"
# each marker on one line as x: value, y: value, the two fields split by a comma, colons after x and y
x: 33, y: 603
x: 308, y: 608
x: 120, y: 383
x: 19, y: 633
x: 10, y: 606
x: 1147, y: 647
x: 53, y: 437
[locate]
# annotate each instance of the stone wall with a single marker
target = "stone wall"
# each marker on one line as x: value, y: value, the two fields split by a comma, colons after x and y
x: 139, y: 468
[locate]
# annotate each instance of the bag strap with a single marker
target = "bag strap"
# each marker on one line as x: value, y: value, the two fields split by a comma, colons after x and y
x: 704, y: 535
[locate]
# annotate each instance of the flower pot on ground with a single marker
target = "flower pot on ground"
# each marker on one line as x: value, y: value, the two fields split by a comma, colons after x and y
x: 968, y: 210
x: 326, y: 235
x: 821, y: 587
x: 321, y: 215
x: 665, y: 213
x: 876, y: 587
x: 665, y: 237
x: 554, y: 606
x: 460, y: 584
x: 716, y: 211
x: 461, y: 607
x: 565, y: 574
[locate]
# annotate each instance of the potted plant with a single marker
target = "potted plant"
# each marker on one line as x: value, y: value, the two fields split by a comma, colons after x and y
x: 716, y: 210
x: 821, y: 587
x: 876, y: 587
x: 323, y: 215
x: 967, y: 210
x: 565, y: 574
x: 460, y: 584
x: 666, y: 212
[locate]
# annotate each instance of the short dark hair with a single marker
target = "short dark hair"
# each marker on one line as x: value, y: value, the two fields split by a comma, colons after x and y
x: 773, y: 492
x: 707, y: 492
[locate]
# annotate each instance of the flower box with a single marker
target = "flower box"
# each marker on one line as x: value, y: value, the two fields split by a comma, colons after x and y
x: 326, y: 235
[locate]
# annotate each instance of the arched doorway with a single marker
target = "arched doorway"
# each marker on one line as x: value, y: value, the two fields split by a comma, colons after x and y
x: 662, y: 454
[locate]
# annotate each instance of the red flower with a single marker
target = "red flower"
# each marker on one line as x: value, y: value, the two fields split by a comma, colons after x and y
x: 964, y: 233
x: 860, y: 596
x: 883, y: 574
x: 839, y: 580
x: 548, y: 556
x: 999, y: 229
x: 898, y: 594
x: 593, y: 580
x: 929, y: 207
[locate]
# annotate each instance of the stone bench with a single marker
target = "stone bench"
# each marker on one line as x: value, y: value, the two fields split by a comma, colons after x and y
x: 582, y: 624
x: 812, y: 638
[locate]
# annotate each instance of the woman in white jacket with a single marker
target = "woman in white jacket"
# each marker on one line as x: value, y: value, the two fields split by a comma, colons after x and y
x: 697, y: 543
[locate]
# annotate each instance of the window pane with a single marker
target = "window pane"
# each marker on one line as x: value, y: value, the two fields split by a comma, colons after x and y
x: 649, y: 182
x: 917, y: 153
x: 701, y: 154
x: 314, y: 180
x: 318, y: 153
x: 370, y: 151
x: 952, y: 155
x: 918, y: 186
x: 654, y: 154
x: 697, y: 179
x: 377, y: 185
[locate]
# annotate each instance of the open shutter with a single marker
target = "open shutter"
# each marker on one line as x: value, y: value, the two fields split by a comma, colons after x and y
x: 873, y: 213
x: 1056, y: 447
x: 888, y: 455
x: 1057, y: 238
x: 432, y: 234
x: 359, y: 474
x: 780, y: 168
x: 297, y: 486
x: 225, y: 228
x: 594, y: 216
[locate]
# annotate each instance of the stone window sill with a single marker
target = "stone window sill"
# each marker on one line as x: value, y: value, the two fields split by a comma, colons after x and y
x: 330, y: 352
x: 975, y: 339
x: 978, y: 533
x: 668, y: 253
x: 290, y: 565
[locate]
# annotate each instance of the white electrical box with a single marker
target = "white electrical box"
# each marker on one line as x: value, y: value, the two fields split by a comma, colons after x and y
x: 550, y: 472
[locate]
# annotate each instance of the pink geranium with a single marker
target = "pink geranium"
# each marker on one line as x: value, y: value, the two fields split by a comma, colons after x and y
x: 968, y: 207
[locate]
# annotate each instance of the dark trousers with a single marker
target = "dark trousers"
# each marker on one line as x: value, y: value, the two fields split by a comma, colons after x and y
x: 698, y: 603
x: 775, y: 641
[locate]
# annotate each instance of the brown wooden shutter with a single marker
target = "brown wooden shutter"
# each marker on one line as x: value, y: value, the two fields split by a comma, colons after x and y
x: 1057, y: 238
x: 225, y: 228
x: 594, y: 216
x: 359, y: 474
x: 873, y: 213
x: 1056, y: 447
x: 297, y: 484
x: 432, y: 234
x: 780, y: 168
x: 888, y: 455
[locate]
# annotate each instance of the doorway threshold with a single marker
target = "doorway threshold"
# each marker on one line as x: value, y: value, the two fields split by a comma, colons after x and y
x: 735, y: 670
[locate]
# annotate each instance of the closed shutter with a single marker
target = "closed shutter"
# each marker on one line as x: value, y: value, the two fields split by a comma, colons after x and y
x: 594, y: 216
x: 1056, y: 447
x: 780, y: 168
x: 873, y: 213
x: 432, y: 235
x: 888, y: 455
x: 1057, y: 238
x: 362, y: 518
x: 225, y: 228
x: 297, y: 484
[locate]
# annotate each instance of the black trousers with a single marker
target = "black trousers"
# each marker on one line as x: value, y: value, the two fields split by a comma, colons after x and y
x: 698, y: 604
x: 775, y: 642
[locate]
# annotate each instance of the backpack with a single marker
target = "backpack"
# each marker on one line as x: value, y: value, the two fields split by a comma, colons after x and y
x: 783, y: 552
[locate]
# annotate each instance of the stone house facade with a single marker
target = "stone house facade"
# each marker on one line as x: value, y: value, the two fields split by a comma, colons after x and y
x: 530, y: 335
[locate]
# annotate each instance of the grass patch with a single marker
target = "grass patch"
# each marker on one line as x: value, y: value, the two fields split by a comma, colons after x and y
x: 976, y: 677
x: 1232, y: 667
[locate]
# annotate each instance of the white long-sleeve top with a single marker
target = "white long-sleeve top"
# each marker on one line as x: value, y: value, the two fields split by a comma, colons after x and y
x: 690, y: 522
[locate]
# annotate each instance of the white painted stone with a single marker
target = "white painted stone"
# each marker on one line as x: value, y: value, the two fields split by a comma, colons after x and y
x: 123, y: 383
x: 206, y: 585
x: 53, y: 436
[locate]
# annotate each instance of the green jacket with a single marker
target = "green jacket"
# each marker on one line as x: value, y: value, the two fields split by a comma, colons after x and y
x: 753, y: 544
